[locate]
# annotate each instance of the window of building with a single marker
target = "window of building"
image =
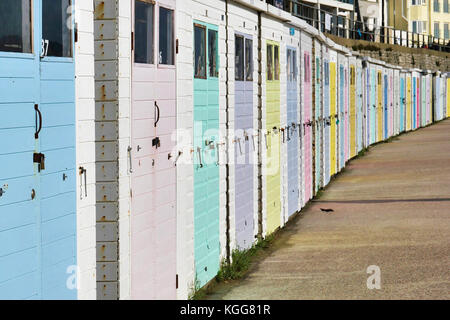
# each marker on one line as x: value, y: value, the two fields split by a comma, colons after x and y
x: 446, y: 31
x: 249, y: 59
x: 446, y: 6
x: 143, y: 30
x: 269, y: 62
x: 239, y: 58
x: 166, y: 37
x: 289, y: 64
x: 213, y: 53
x: 276, y: 56
x: 436, y: 29
x: 419, y: 26
x: 404, y: 8
x: 15, y: 33
x: 200, y: 51
x: 56, y: 28
x: 318, y: 70
x: 436, y: 5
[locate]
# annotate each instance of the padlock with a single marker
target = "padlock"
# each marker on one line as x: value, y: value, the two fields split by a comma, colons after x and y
x: 156, y: 142
x: 39, y: 158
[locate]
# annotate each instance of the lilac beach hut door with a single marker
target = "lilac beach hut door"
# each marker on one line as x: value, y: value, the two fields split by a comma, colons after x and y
x: 244, y: 140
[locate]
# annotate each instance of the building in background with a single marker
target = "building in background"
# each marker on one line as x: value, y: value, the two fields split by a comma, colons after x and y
x: 427, y: 17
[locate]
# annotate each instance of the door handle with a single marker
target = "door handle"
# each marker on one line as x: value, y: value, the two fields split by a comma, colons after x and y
x: 157, y: 112
x: 200, y: 156
x: 83, y: 172
x: 129, y: 159
x: 38, y: 123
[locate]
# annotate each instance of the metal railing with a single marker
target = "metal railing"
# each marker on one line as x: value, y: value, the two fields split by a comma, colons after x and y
x: 342, y: 26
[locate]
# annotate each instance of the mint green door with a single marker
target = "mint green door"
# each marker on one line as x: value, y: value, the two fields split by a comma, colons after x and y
x: 206, y: 144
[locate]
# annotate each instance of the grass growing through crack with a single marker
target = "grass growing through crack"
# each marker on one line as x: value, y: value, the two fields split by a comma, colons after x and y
x: 241, y: 261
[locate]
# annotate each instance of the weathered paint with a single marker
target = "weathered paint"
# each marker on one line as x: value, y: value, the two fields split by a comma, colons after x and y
x: 402, y: 98
x: 373, y: 104
x: 409, y: 102
x: 37, y: 207
x: 273, y: 141
x: 359, y: 83
x: 318, y: 116
x: 307, y: 116
x: 448, y: 95
x: 386, y: 101
x: 380, y: 105
x: 327, y: 119
x: 333, y: 118
x: 341, y: 117
x: 292, y: 129
x: 206, y: 170
x: 353, y: 118
x: 153, y: 180
x: 244, y: 146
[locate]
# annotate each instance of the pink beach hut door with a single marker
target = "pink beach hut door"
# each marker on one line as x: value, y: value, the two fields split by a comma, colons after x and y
x: 153, y: 179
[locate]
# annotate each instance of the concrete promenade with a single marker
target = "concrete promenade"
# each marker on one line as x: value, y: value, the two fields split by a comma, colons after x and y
x: 391, y: 209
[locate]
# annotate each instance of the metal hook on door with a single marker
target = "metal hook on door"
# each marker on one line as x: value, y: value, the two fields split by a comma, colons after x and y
x: 83, y: 172
x: 38, y: 127
x: 157, y: 111
x: 129, y: 159
x: 178, y: 157
x: 199, y: 151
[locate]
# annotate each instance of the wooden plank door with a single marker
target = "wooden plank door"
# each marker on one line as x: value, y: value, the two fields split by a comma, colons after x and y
x: 333, y: 116
x: 206, y: 169
x: 292, y: 130
x: 327, y: 120
x: 37, y: 130
x: 57, y: 143
x: 318, y: 123
x: 153, y: 178
x: 244, y: 141
x: 307, y: 122
x: 273, y: 136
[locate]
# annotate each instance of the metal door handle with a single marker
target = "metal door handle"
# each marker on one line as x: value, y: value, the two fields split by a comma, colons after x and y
x: 38, y: 128
x: 129, y: 158
x: 83, y: 171
x: 217, y: 150
x: 200, y: 156
x: 158, y: 112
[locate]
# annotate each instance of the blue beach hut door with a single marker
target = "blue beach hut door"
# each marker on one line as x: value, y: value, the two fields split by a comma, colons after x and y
x: 37, y: 151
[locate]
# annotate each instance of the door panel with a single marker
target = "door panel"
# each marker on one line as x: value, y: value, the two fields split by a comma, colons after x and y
x: 153, y: 180
x: 273, y: 137
x: 318, y: 126
x: 353, y: 131
x: 244, y: 149
x: 327, y: 120
x: 333, y: 116
x: 292, y: 127
x: 408, y: 103
x: 307, y: 125
x: 206, y: 170
x: 37, y: 207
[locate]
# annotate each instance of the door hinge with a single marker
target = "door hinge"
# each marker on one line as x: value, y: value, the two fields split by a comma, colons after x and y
x: 132, y: 41
x: 76, y: 33
x: 176, y: 46
x: 176, y: 281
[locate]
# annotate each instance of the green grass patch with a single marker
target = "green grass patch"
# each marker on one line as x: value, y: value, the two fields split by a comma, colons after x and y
x: 241, y: 261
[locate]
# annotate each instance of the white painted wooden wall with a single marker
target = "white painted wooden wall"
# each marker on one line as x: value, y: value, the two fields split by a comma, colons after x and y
x: 85, y: 154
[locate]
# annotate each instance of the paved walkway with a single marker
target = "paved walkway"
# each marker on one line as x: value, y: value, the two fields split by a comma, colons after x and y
x: 391, y: 209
